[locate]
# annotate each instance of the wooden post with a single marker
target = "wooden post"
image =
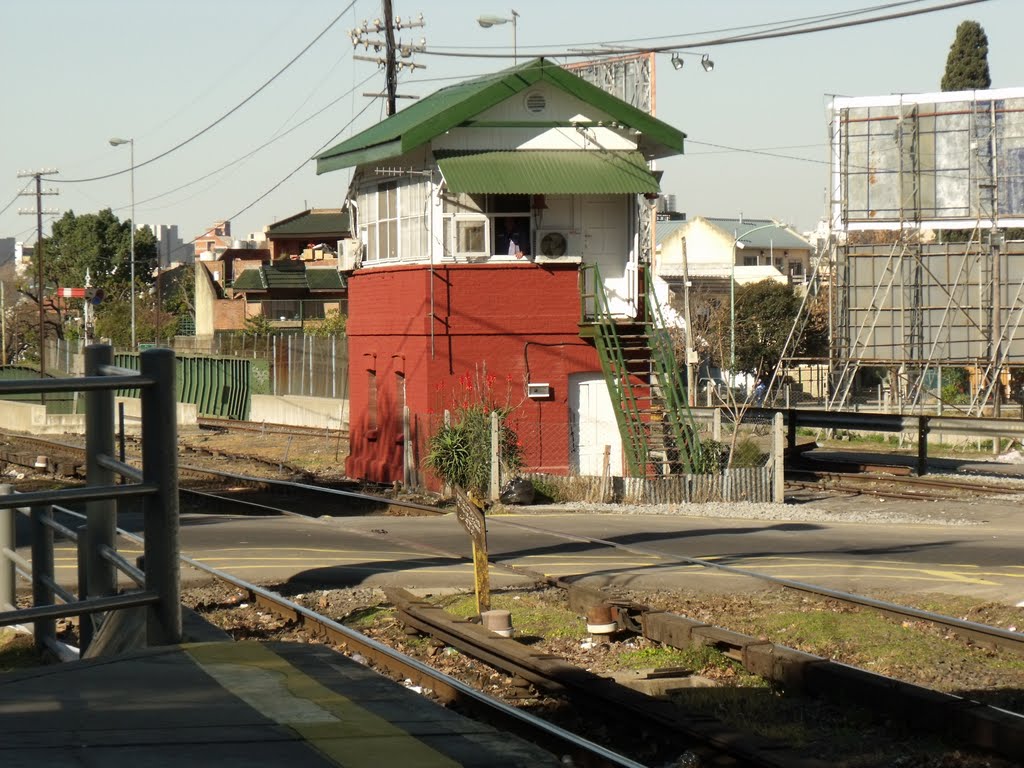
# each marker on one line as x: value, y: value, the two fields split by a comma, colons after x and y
x: 471, y: 516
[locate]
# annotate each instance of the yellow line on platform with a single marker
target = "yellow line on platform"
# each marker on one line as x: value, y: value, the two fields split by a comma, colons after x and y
x: 334, y: 725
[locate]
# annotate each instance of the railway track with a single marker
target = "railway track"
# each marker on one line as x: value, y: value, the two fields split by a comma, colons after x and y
x: 975, y: 723
x: 991, y: 637
x: 898, y: 486
x: 267, y: 428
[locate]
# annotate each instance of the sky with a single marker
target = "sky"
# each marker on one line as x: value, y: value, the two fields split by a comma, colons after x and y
x: 77, y: 73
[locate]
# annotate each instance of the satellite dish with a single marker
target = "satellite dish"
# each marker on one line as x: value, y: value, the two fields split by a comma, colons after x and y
x: 553, y: 244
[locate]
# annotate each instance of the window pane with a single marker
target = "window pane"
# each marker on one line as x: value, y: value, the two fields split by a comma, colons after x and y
x: 409, y: 250
x: 471, y: 236
x: 371, y: 243
x: 446, y: 236
x: 392, y: 251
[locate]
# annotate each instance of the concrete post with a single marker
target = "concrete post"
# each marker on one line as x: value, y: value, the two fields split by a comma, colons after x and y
x: 160, y: 468
x: 779, y: 456
x: 716, y: 425
x: 495, y: 456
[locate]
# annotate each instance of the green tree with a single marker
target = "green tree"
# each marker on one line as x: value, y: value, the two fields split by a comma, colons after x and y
x: 333, y: 324
x: 101, y: 244
x: 967, y: 63
x: 764, y: 314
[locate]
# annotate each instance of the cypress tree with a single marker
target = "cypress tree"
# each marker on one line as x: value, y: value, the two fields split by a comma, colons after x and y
x: 967, y: 63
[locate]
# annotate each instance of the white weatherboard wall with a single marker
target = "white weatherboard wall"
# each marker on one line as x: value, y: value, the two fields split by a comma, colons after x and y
x: 299, y: 411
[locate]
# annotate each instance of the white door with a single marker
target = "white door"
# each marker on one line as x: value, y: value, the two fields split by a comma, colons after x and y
x: 593, y: 427
x: 606, y: 243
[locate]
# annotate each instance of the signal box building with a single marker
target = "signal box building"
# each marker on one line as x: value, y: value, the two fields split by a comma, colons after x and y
x: 502, y: 240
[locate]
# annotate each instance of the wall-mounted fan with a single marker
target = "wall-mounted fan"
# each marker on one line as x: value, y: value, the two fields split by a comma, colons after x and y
x: 553, y: 244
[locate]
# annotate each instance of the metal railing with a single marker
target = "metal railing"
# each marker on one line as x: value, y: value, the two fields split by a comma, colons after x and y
x: 155, y: 484
x: 795, y: 418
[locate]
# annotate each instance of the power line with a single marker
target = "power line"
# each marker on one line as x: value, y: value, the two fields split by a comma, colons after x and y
x: 677, y: 37
x: 227, y: 114
x: 15, y: 198
x: 262, y: 146
x: 720, y: 40
x: 298, y: 168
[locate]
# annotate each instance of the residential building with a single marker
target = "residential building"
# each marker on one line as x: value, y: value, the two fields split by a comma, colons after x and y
x: 314, y: 233
x: 214, y: 240
x: 292, y: 282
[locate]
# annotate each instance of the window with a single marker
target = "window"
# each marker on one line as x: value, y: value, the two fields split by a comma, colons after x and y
x: 750, y: 261
x: 394, y: 220
x: 293, y: 309
x: 479, y: 226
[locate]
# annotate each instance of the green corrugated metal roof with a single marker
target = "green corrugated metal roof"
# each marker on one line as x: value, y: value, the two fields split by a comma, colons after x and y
x: 285, y: 276
x: 546, y: 171
x: 324, y: 279
x: 326, y: 222
x: 250, y: 280
x: 290, y: 275
x: 447, y: 108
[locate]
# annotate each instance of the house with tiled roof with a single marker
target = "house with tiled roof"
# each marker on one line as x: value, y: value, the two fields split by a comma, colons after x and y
x: 313, y: 233
x: 293, y: 283
x: 505, y: 226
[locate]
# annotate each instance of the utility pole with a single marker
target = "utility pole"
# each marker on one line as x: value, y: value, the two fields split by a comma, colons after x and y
x: 38, y: 254
x: 392, y: 51
x: 390, y: 75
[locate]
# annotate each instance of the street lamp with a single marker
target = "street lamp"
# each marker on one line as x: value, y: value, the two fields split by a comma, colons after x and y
x: 737, y: 243
x: 488, y: 20
x: 116, y: 142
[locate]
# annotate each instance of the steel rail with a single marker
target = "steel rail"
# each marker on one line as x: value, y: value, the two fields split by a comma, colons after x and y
x: 991, y: 636
x: 525, y: 724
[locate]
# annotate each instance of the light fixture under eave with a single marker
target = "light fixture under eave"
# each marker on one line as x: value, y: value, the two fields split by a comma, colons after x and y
x: 677, y: 61
x: 707, y: 63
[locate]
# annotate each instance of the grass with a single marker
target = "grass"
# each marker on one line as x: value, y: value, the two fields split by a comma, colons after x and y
x: 698, y: 660
x: 532, y: 615
x: 877, y: 643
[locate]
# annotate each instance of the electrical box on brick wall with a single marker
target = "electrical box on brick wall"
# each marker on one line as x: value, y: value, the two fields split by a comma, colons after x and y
x: 538, y: 390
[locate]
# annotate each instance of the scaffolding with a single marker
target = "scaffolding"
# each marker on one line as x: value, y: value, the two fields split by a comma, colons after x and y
x: 926, y: 193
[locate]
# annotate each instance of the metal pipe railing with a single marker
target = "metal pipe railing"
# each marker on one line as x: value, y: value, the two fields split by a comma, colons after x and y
x: 99, y: 563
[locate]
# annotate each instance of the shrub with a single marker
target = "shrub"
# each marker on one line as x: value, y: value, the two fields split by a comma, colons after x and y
x: 459, y: 452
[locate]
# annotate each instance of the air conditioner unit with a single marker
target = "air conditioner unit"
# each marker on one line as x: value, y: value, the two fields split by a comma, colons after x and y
x: 552, y: 243
x: 350, y: 253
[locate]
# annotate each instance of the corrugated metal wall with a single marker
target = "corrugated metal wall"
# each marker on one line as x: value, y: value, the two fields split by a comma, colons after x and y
x: 218, y: 386
x: 56, y: 402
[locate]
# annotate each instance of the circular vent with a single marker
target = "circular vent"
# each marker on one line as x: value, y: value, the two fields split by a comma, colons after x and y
x: 536, y: 102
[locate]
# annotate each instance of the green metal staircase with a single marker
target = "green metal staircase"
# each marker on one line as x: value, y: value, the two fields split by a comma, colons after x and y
x: 659, y: 434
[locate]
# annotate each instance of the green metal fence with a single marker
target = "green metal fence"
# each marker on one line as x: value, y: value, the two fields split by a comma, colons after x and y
x: 218, y: 386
